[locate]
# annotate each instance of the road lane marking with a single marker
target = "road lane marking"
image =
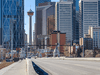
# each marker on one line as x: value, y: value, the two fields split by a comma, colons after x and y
x: 85, y: 66
x: 76, y: 71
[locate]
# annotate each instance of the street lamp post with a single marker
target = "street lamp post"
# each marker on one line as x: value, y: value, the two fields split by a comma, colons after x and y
x: 11, y: 28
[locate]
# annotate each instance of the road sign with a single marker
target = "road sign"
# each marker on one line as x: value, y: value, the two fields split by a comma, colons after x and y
x: 42, y: 36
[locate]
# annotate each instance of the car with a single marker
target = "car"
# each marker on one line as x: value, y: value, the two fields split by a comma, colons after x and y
x: 29, y: 57
x: 9, y: 60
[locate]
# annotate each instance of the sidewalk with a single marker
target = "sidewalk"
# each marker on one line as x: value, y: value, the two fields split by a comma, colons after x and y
x: 18, y: 68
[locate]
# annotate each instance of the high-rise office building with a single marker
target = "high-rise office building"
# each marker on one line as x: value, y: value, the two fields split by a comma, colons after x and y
x: 38, y: 25
x: 74, y: 18
x: 89, y: 15
x: 41, y: 1
x: 64, y: 19
x: 42, y: 13
x: 77, y: 28
x: 74, y: 1
x: 74, y: 21
x: 12, y: 23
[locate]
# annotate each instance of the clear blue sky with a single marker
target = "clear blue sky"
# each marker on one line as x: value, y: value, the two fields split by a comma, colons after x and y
x: 31, y: 4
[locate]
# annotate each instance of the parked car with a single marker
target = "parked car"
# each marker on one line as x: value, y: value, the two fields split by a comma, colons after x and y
x: 9, y: 60
x: 29, y: 57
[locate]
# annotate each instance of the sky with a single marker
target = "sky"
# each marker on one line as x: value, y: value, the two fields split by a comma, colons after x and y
x: 30, y: 4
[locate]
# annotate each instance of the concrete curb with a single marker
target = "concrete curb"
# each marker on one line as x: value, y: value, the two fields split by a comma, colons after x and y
x: 63, y: 58
x: 30, y: 69
x: 87, y: 59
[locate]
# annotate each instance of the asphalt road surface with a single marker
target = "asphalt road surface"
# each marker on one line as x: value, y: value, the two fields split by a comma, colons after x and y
x: 69, y: 67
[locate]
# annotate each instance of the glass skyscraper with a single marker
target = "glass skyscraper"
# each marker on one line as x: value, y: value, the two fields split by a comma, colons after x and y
x: 89, y: 15
x: 74, y: 18
x: 63, y: 19
x: 94, y: 32
x: 12, y: 18
x: 0, y: 22
x: 41, y: 1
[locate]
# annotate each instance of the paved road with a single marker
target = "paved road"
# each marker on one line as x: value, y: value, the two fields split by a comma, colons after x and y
x: 69, y: 67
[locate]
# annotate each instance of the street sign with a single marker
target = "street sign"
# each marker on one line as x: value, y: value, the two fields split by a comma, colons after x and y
x: 42, y: 36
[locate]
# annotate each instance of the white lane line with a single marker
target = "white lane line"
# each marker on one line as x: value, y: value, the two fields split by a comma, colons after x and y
x: 85, y: 66
x: 57, y: 65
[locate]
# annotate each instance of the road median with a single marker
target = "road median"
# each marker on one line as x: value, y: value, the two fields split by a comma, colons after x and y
x: 30, y: 69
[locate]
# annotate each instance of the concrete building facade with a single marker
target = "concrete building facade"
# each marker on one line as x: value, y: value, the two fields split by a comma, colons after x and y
x: 42, y: 12
x: 50, y: 26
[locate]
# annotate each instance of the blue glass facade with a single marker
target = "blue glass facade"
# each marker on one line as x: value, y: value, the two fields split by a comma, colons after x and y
x: 12, y: 10
x: 64, y: 19
x: 99, y: 11
x: 41, y: 1
x: 89, y: 16
x: 77, y: 28
x: 0, y: 22
x: 0, y: 13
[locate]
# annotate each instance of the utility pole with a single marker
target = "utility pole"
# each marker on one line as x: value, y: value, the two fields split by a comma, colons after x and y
x: 70, y: 49
x: 12, y: 22
x: 57, y: 49
x: 83, y: 46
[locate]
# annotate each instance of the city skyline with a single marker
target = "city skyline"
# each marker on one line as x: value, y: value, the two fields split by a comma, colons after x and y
x: 49, y: 37
x: 31, y: 5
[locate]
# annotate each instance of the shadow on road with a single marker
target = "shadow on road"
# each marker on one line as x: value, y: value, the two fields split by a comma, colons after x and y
x: 38, y: 69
